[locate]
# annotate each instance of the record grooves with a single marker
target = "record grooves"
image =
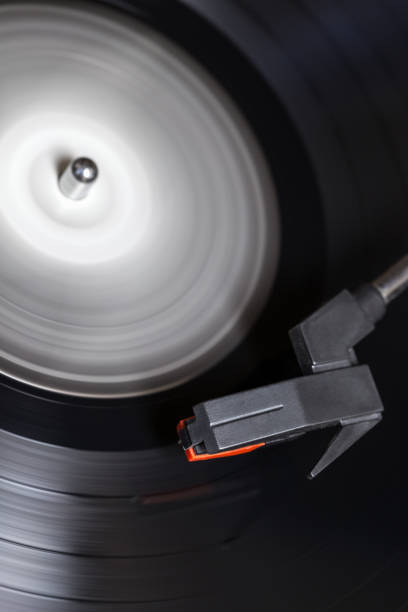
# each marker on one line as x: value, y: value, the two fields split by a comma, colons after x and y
x: 99, y: 511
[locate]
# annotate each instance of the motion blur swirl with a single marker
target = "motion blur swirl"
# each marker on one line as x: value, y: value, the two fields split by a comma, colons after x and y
x: 164, y: 267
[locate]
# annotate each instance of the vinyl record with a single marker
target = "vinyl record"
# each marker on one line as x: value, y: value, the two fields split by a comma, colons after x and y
x: 341, y: 543
x: 308, y: 193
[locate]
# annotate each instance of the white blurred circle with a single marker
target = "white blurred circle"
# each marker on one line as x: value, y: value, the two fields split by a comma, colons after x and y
x: 164, y: 267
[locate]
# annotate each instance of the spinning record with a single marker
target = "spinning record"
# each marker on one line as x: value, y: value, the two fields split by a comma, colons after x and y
x: 180, y: 184
x: 164, y: 266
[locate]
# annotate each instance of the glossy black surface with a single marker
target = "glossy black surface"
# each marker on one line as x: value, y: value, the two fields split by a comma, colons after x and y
x: 331, y: 110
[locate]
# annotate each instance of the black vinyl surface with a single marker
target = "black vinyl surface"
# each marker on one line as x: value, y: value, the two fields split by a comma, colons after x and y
x: 340, y: 542
x: 324, y: 84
